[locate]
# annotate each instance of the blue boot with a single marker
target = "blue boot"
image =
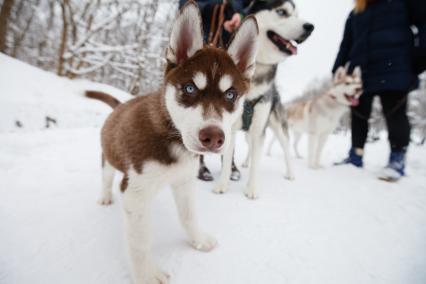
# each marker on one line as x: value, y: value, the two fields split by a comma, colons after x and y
x: 395, y: 168
x: 354, y: 158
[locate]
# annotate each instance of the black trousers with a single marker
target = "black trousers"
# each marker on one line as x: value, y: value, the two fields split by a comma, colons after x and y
x: 394, y: 105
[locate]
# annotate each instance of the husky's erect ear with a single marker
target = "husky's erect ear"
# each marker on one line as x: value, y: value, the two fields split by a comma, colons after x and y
x: 243, y: 46
x: 187, y: 34
x: 340, y: 74
x: 347, y: 65
x: 357, y: 72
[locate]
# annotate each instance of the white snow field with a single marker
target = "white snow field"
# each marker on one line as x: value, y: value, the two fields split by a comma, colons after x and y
x: 333, y: 225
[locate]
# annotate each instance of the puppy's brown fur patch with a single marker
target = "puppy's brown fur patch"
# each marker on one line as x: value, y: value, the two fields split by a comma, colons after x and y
x: 137, y: 131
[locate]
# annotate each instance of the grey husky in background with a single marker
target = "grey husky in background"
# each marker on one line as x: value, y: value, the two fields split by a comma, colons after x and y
x: 319, y: 111
x: 280, y: 32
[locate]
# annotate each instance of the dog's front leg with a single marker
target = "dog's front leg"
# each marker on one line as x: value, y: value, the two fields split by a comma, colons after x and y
x: 271, y: 143
x: 297, y: 136
x: 222, y: 185
x: 256, y: 142
x: 312, y: 149
x: 322, y: 139
x: 284, y: 141
x: 184, y: 198
x: 136, y: 201
x: 247, y: 159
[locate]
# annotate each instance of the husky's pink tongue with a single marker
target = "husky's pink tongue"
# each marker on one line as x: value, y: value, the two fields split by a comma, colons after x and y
x: 288, y: 44
x: 292, y: 48
x: 354, y: 102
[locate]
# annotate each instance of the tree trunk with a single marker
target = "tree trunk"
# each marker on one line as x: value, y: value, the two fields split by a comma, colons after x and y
x: 64, y: 37
x: 4, y: 20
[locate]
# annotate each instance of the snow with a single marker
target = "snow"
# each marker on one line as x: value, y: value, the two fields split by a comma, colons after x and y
x: 333, y: 225
x: 28, y: 95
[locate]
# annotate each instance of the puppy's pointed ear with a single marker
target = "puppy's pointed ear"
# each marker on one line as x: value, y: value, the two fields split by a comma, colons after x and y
x: 187, y: 34
x: 243, y: 46
x: 357, y: 72
x: 339, y: 75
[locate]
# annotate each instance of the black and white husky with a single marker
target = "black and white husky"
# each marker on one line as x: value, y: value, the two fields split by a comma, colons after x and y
x: 280, y: 31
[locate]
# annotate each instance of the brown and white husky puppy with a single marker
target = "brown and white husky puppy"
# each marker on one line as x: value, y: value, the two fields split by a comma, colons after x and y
x: 319, y: 116
x: 155, y: 140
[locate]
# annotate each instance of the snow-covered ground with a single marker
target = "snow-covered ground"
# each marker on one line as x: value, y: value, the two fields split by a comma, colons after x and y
x: 334, y: 225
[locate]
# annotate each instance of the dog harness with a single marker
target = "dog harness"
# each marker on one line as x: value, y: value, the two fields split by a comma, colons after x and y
x: 249, y: 106
x: 270, y: 95
x: 249, y: 111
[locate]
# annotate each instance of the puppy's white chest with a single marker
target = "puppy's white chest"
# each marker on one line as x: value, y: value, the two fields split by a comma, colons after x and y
x: 156, y: 174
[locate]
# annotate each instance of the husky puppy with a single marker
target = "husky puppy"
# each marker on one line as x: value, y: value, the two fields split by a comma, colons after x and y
x: 280, y: 31
x: 319, y: 115
x: 155, y: 140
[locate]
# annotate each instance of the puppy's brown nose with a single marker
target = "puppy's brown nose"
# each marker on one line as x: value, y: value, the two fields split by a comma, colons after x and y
x: 211, y: 137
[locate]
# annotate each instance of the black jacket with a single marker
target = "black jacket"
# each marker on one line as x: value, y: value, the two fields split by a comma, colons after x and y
x: 381, y: 41
x: 206, y: 8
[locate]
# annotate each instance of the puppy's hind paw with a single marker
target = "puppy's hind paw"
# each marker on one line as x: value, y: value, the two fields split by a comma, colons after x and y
x: 251, y: 194
x: 105, y: 199
x: 161, y: 277
x: 204, y: 242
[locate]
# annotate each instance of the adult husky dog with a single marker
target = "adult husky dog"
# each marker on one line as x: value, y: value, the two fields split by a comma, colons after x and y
x: 280, y: 31
x: 155, y: 140
x: 318, y: 112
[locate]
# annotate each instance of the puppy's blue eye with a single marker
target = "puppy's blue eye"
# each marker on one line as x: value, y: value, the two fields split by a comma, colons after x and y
x: 230, y: 95
x: 189, y: 89
x: 282, y: 12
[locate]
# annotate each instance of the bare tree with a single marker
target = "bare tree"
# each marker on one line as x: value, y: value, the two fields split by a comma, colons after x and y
x: 121, y: 43
x: 5, y: 13
x: 64, y: 36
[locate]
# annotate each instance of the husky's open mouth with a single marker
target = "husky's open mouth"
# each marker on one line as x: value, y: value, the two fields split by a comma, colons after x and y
x: 353, y: 100
x: 284, y: 45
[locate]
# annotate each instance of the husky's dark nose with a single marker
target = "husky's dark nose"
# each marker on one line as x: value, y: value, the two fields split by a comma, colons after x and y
x: 211, y: 137
x: 309, y: 27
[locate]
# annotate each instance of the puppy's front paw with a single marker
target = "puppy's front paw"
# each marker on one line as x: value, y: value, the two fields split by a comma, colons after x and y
x: 220, y: 189
x: 315, y: 167
x: 158, y: 277
x: 251, y: 193
x: 289, y: 177
x: 204, y: 242
x: 105, y: 199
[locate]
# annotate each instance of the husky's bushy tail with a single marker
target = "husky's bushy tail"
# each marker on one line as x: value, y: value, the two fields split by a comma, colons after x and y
x: 314, y: 89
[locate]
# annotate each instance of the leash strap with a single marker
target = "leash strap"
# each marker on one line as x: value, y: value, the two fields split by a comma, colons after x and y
x: 386, y: 115
x: 217, y: 20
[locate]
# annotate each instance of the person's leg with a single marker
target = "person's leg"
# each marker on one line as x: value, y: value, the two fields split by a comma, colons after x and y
x: 359, y: 129
x: 359, y: 121
x: 203, y: 172
x: 235, y: 172
x: 395, y: 111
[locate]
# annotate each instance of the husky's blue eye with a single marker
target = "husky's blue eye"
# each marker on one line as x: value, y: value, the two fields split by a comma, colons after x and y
x: 230, y: 95
x: 282, y: 12
x: 189, y: 89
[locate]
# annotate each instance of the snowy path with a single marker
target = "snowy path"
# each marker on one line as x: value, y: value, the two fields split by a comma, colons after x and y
x: 334, y: 225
